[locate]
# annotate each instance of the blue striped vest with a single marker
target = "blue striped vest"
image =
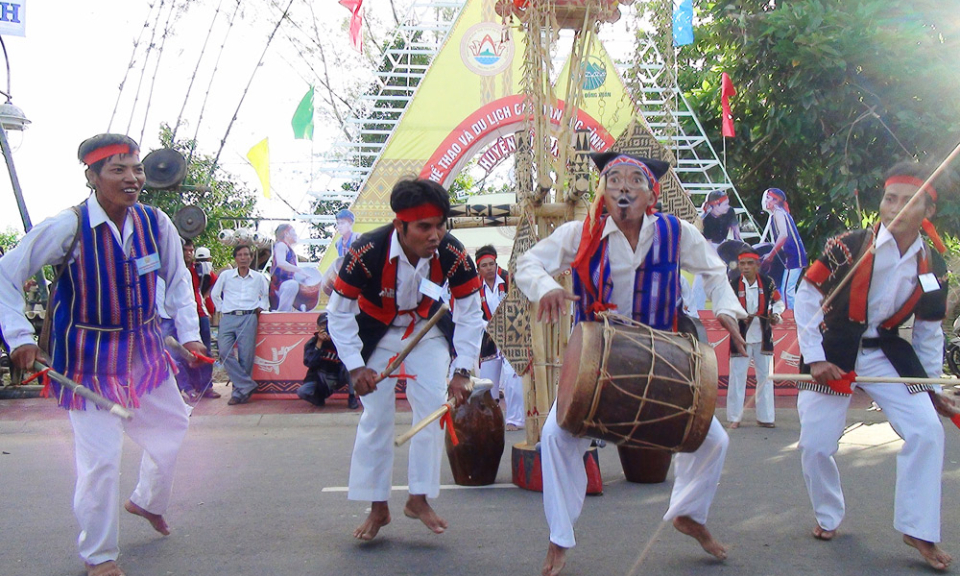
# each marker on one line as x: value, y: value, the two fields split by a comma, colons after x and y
x: 105, y: 322
x: 794, y: 254
x: 656, y: 285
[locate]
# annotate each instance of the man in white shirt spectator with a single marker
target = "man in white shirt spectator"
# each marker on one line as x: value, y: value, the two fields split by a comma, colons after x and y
x: 240, y: 295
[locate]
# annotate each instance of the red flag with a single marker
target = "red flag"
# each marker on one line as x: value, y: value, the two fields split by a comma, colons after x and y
x: 727, y: 90
x: 356, y: 22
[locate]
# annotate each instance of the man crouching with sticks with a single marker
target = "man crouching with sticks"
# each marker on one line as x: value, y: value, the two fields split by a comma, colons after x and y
x: 391, y: 281
x: 864, y: 286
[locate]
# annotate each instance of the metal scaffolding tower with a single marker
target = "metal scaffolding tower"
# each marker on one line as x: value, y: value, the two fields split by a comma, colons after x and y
x: 673, y: 122
x: 411, y: 51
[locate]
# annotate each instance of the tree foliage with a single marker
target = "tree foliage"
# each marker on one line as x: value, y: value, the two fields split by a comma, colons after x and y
x: 221, y: 197
x: 830, y: 94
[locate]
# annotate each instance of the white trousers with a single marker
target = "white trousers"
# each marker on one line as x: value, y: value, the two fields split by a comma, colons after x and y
x: 371, y: 467
x: 565, y: 478
x: 916, y: 509
x: 158, y: 427
x: 737, y: 389
x: 286, y: 294
x: 515, y: 412
x: 491, y: 370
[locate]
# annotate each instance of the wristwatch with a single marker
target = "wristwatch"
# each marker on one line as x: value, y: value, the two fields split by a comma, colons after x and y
x: 462, y: 372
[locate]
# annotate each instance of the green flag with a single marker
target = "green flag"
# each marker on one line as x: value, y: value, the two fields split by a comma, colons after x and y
x: 302, y: 121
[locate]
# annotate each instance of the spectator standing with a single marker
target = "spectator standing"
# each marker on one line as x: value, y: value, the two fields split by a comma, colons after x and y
x: 197, y: 382
x: 240, y: 294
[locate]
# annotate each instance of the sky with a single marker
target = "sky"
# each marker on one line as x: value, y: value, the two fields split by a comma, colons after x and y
x: 65, y: 75
x: 66, y: 72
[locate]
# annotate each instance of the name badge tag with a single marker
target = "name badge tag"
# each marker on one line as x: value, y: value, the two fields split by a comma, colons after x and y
x: 430, y: 290
x: 148, y: 263
x: 929, y: 282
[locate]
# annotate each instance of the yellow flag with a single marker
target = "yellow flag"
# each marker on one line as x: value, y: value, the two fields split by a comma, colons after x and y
x: 259, y: 157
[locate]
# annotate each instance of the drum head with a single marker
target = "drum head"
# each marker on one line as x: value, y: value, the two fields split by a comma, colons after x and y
x: 579, y: 375
x: 313, y: 277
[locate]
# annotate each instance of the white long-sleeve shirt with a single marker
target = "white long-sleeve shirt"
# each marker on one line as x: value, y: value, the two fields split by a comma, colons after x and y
x: 554, y: 254
x: 233, y: 292
x: 894, y: 279
x: 342, y: 314
x: 47, y: 244
x: 752, y: 298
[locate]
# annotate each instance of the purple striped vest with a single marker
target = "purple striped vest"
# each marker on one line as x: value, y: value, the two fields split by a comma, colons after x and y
x: 106, y: 332
x: 656, y: 285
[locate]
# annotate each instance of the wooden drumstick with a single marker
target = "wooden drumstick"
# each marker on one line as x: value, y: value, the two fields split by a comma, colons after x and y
x: 874, y: 379
x: 435, y: 415
x: 413, y: 343
x: 477, y: 385
x: 87, y: 393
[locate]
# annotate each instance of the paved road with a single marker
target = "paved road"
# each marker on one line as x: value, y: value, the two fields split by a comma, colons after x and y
x: 259, y: 495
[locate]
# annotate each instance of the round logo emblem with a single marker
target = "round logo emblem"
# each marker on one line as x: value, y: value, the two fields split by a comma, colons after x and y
x: 486, y: 50
x: 594, y: 73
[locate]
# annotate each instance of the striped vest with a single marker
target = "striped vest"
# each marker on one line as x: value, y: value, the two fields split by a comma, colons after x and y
x: 794, y: 254
x: 656, y: 285
x: 106, y: 332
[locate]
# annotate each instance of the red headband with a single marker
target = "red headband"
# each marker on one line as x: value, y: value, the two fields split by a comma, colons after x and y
x: 105, y: 152
x: 748, y: 256
x: 913, y: 180
x: 421, y: 212
x: 486, y: 256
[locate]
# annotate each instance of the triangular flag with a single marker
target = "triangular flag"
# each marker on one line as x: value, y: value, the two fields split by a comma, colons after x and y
x: 356, y: 22
x: 726, y: 91
x: 683, y: 22
x: 259, y: 157
x: 302, y: 121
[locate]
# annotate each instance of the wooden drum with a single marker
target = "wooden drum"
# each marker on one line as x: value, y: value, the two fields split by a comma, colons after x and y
x: 637, y: 387
x: 480, y: 429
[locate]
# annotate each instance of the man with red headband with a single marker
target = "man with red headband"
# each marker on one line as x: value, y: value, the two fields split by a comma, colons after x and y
x: 390, y: 283
x: 105, y: 335
x: 626, y: 259
x: 875, y: 280
x: 495, y: 281
x: 759, y: 296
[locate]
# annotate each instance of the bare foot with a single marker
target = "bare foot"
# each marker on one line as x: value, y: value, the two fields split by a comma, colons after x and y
x: 108, y: 568
x: 555, y: 561
x: 155, y: 520
x: 821, y: 534
x: 699, y: 532
x: 932, y: 553
x: 378, y: 518
x: 733, y: 425
x: 418, y: 508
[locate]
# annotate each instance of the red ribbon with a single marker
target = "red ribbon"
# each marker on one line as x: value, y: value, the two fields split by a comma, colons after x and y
x: 44, y: 379
x: 202, y: 358
x: 956, y: 420
x: 931, y: 231
x: 842, y: 386
x: 446, y: 422
x: 413, y: 321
